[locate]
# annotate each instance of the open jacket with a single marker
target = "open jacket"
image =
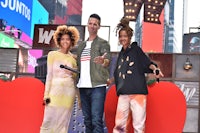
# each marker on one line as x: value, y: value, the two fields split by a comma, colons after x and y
x: 99, y: 74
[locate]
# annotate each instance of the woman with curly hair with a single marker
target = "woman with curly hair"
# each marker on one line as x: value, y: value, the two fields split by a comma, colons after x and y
x: 60, y: 90
x: 130, y: 81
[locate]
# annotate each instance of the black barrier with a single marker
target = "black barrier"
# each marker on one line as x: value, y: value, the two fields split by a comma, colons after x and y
x: 41, y: 69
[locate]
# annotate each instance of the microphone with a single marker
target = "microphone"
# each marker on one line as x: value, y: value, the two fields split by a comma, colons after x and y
x: 157, y: 72
x: 69, y: 68
x: 46, y: 101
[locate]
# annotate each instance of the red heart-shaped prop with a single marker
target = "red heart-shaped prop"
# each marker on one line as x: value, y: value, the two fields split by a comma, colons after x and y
x: 166, y: 109
x: 21, y: 105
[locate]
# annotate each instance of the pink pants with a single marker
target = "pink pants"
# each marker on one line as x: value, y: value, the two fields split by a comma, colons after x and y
x: 137, y: 105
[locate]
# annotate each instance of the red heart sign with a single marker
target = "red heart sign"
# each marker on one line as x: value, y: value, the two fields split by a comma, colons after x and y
x: 21, y: 105
x: 166, y: 109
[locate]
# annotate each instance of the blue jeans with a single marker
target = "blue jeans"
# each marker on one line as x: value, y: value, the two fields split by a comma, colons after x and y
x: 92, y: 102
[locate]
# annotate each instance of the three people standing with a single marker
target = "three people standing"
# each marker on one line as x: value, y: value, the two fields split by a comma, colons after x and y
x: 92, y: 61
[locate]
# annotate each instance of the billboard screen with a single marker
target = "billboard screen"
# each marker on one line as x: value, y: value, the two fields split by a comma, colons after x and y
x: 17, y: 13
x: 28, y: 60
x: 43, y: 35
x: 6, y: 42
x: 23, y: 36
x: 191, y: 43
x: 33, y: 55
x: 39, y: 15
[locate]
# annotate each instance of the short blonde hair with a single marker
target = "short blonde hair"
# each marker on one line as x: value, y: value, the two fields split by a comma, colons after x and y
x: 63, y: 30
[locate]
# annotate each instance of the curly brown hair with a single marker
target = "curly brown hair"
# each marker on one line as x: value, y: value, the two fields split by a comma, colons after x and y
x: 63, y: 30
x: 124, y: 25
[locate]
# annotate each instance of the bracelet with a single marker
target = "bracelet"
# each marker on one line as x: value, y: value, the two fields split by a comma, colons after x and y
x: 154, y: 64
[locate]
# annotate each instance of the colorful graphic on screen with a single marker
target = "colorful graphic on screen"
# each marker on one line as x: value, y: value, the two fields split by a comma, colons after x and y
x: 33, y: 55
x: 17, y: 13
x: 191, y: 43
x: 39, y: 15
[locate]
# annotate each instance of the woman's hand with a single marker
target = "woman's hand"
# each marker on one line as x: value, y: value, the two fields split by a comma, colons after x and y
x: 46, y: 101
x: 158, y: 73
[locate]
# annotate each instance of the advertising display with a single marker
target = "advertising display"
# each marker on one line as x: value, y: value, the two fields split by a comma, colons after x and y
x: 19, y: 34
x: 28, y: 60
x: 33, y: 55
x: 39, y: 15
x: 191, y: 43
x: 25, y: 38
x: 43, y: 35
x: 6, y: 42
x: 17, y: 13
x: 191, y: 93
x: 25, y: 14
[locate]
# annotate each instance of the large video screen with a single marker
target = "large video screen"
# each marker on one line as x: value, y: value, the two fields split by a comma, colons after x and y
x: 17, y: 13
x: 39, y: 15
x: 191, y: 43
x: 28, y: 60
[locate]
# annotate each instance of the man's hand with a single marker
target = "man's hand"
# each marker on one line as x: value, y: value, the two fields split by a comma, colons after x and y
x: 100, y: 59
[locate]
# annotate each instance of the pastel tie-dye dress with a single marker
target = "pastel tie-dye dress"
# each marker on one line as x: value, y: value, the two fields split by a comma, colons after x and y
x: 61, y: 89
